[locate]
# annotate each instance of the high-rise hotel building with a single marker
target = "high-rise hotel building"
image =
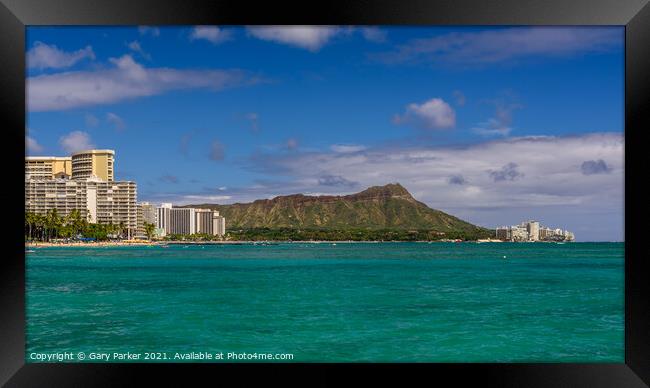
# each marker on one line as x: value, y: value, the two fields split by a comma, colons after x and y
x: 532, y: 231
x: 80, y: 165
x: 146, y: 214
x: 84, y: 182
x: 93, y: 163
x: 174, y: 220
x: 48, y: 167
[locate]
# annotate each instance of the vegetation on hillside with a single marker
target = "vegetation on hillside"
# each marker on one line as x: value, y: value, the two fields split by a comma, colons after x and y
x: 379, y: 213
x: 291, y: 234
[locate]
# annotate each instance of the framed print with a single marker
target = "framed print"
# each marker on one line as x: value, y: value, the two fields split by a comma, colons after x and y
x: 429, y: 189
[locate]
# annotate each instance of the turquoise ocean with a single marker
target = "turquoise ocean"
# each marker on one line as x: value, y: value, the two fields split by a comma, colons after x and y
x: 344, y: 302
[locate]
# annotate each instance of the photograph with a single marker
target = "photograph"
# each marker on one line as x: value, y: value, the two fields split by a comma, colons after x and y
x: 325, y: 194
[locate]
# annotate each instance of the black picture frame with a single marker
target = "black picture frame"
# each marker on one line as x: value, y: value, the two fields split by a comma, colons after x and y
x: 633, y: 14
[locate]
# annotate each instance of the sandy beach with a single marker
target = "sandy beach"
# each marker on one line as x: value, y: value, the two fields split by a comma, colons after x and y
x: 41, y: 244
x: 124, y: 243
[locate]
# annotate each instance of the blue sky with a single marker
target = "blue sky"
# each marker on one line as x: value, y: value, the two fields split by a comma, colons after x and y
x: 494, y: 125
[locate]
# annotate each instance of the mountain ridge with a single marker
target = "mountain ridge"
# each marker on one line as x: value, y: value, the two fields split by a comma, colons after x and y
x: 378, y: 207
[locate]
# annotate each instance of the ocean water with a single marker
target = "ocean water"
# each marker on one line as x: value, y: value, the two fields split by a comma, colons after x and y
x: 349, y: 302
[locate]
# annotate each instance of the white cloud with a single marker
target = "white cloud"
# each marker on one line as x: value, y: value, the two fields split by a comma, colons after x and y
x: 312, y: 38
x: 342, y: 148
x: 492, y: 127
x: 373, y: 34
x: 148, y: 30
x: 136, y: 47
x: 125, y: 80
x: 549, y: 183
x: 43, y: 56
x: 76, y: 141
x: 506, y: 45
x: 522, y: 176
x: 432, y: 114
x: 212, y: 34
x: 116, y: 121
x: 501, y: 123
x: 190, y: 198
x: 31, y: 145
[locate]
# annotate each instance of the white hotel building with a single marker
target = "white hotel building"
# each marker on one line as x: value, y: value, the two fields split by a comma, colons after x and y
x: 82, y: 182
x: 174, y: 220
x: 532, y: 231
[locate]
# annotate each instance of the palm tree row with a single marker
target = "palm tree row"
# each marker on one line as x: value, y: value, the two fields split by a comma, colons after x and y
x: 51, y: 225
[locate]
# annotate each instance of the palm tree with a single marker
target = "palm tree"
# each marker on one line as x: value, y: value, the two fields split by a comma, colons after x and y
x: 53, y: 223
x: 149, y: 229
x: 75, y: 222
x: 121, y: 229
x: 39, y: 225
x: 30, y: 220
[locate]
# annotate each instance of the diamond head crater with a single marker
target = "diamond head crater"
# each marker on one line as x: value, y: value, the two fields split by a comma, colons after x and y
x: 379, y: 213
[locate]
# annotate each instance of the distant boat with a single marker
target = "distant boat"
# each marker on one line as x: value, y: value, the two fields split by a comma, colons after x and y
x: 29, y: 251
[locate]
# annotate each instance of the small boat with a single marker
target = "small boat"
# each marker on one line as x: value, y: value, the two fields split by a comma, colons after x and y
x: 30, y: 251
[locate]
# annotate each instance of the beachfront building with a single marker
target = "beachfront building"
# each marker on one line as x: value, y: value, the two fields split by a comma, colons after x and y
x: 93, y: 163
x: 532, y: 227
x: 532, y: 231
x: 545, y: 233
x: 210, y: 222
x: 79, y: 166
x: 43, y: 195
x: 115, y: 203
x: 146, y: 214
x: 219, y: 224
x: 503, y: 233
x: 98, y: 201
x: 48, y: 167
x: 84, y: 182
x: 174, y: 220
x: 162, y: 219
x: 519, y: 233
x: 181, y: 221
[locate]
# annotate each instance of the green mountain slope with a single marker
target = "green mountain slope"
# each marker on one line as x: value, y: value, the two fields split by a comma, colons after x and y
x: 379, y: 207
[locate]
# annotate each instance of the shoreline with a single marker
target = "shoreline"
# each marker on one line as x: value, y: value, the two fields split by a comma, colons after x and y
x: 101, y: 244
x: 242, y: 242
